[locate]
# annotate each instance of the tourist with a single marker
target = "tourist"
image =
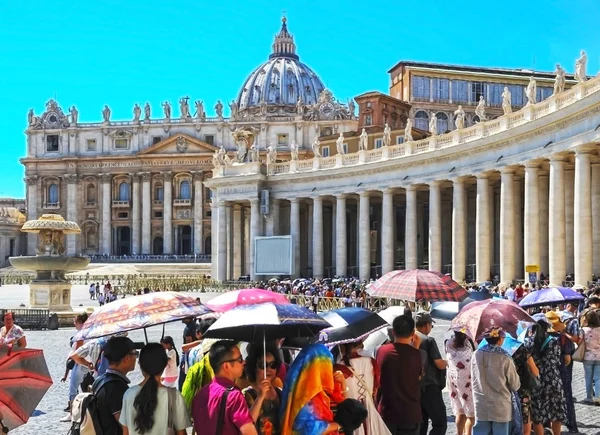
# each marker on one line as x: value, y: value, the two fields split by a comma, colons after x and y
x: 263, y: 396
x: 459, y: 353
x: 399, y: 397
x: 591, y: 360
x: 77, y: 371
x: 171, y: 373
x: 362, y: 379
x: 593, y: 305
x: 548, y: 403
x: 150, y: 408
x: 92, y: 291
x: 12, y: 335
x: 528, y: 376
x: 495, y: 378
x: 228, y: 365
x: 107, y: 288
x: 101, y: 300
x: 98, y: 292
x: 432, y: 383
x: 190, y: 335
x: 110, y: 387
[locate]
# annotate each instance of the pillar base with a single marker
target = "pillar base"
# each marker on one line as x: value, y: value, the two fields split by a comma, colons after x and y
x: 50, y: 295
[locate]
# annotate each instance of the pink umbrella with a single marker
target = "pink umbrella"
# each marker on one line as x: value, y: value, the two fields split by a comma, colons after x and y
x: 247, y: 296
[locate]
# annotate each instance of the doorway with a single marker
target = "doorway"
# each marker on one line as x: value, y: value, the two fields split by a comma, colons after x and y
x: 157, y: 246
x: 208, y: 245
x: 123, y: 245
x: 185, y: 239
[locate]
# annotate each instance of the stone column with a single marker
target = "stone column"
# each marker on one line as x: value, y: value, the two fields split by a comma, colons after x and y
x: 569, y: 216
x: 222, y: 242
x: 273, y: 220
x: 341, y: 249
x: 167, y: 212
x: 459, y: 230
x: 72, y: 208
x: 387, y: 232
x: 543, y: 222
x: 146, y: 214
x: 507, y: 226
x: 237, y: 241
x: 364, y: 239
x: 582, y: 244
x: 214, y: 224
x: 557, y: 257
x: 435, y: 226
x: 596, y: 217
x: 32, y: 209
x: 532, y: 215
x: 518, y: 227
x: 318, y: 237
x: 199, y: 213
x: 136, y: 219
x: 229, y: 236
x: 254, y: 232
x: 482, y: 229
x: 106, y: 180
x: 410, y: 235
x: 295, y: 233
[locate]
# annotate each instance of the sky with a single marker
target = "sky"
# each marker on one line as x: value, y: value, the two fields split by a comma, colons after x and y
x: 90, y: 53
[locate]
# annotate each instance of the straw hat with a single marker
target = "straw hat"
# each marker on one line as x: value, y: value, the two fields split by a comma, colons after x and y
x: 557, y: 324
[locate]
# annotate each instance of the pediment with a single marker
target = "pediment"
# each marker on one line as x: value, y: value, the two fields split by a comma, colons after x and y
x: 180, y: 144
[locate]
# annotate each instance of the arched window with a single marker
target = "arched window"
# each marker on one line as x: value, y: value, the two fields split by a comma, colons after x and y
x: 53, y: 194
x: 422, y: 120
x: 157, y: 246
x: 442, y: 122
x: 90, y: 193
x: 184, y: 190
x: 124, y: 191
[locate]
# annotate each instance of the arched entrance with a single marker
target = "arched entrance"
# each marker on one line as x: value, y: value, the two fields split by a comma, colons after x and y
x: 208, y: 245
x: 157, y: 246
x: 123, y: 245
x: 185, y: 240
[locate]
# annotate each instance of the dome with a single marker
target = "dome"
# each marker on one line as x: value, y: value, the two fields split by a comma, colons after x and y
x: 281, y: 79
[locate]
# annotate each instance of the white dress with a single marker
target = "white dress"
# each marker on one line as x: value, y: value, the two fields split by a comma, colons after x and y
x: 363, y: 369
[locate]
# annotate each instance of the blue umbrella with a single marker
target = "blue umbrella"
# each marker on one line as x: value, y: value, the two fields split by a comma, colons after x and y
x: 551, y: 296
x: 350, y: 324
x: 510, y: 344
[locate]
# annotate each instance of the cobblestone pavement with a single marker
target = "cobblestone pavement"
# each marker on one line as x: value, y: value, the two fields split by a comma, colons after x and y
x: 56, y: 347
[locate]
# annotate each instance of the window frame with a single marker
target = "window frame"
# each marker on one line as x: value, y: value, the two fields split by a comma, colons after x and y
x: 48, y: 136
x: 325, y: 151
x: 119, y: 139
x: 88, y: 142
x: 280, y: 142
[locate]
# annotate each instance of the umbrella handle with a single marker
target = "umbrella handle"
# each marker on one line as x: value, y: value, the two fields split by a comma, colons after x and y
x: 4, y: 428
x: 146, y: 335
x: 264, y: 354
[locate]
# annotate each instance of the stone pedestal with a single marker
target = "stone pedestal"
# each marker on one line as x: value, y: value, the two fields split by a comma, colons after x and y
x: 50, y: 295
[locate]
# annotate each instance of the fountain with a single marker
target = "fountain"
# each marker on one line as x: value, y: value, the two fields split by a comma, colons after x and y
x: 50, y: 289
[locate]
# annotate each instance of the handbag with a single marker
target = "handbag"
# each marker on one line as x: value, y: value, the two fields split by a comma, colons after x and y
x: 579, y: 353
x: 529, y: 382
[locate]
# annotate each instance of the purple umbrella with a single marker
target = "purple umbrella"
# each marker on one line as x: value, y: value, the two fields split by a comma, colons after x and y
x: 551, y: 296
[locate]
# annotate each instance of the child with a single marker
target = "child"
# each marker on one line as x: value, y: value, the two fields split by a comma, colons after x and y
x: 101, y: 299
x: 171, y: 372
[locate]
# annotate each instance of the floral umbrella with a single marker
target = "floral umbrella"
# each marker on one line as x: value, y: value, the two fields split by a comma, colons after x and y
x: 551, y: 296
x: 247, y: 296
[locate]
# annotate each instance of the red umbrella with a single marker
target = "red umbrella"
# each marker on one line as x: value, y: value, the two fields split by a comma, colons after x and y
x: 247, y: 296
x: 477, y: 316
x: 417, y: 285
x: 24, y: 379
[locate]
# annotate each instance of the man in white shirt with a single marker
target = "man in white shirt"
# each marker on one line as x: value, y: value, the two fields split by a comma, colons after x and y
x: 510, y: 294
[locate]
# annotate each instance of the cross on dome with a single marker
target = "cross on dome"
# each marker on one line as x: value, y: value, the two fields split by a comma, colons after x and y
x: 284, y: 46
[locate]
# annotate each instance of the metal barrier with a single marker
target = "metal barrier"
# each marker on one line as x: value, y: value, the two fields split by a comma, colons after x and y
x: 28, y: 318
x: 193, y: 258
x: 327, y: 304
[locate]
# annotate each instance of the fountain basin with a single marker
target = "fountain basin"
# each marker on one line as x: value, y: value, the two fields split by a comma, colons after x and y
x: 44, y: 266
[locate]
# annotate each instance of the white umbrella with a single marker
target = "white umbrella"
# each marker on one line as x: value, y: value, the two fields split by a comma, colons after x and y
x: 376, y: 339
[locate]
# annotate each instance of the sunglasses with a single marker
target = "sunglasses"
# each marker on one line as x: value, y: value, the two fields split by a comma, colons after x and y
x: 239, y: 359
x: 135, y: 352
x: 273, y: 365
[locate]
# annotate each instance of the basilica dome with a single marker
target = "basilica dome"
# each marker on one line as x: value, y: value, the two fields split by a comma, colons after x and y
x: 280, y: 80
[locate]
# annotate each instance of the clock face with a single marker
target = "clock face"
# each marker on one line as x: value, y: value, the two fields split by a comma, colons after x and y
x: 326, y: 109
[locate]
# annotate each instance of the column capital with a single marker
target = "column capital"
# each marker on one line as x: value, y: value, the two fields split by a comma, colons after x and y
x: 459, y: 181
x: 254, y: 201
x: 364, y: 194
x: 317, y: 198
x: 70, y: 178
x: 533, y: 164
x: 31, y: 180
x: 145, y: 176
x: 410, y: 188
x: 237, y: 206
x: 389, y: 191
x: 560, y: 157
x: 167, y: 175
x: 136, y: 177
x: 505, y: 170
x: 342, y: 196
x: 105, y: 178
x: 197, y: 175
x: 436, y: 183
x: 586, y: 149
x: 295, y: 200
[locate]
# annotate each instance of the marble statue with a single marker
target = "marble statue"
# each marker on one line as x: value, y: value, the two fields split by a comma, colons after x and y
x: 167, y: 109
x: 137, y: 112
x: 147, y: 111
x: 480, y: 109
x: 242, y: 138
x: 387, y: 136
x: 299, y: 107
x: 530, y: 92
x: 31, y: 118
x: 408, y: 131
x: 263, y: 107
x: 294, y: 150
x: 106, y: 113
x: 220, y: 158
x: 433, y: 125
x: 339, y: 144
x: 316, y: 147
x: 580, y: 67
x: 506, y: 101
x: 351, y: 107
x: 363, y: 141
x: 199, y: 104
x: 74, y: 115
x: 254, y: 154
x: 219, y: 109
x: 559, y: 80
x: 460, y: 118
x: 184, y: 107
x: 271, y: 155
x: 234, y: 109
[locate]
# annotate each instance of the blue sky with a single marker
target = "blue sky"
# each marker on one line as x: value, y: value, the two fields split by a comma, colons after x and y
x: 90, y: 53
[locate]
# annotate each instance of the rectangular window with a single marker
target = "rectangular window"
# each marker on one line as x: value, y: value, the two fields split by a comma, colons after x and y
x: 121, y: 144
x: 156, y: 139
x: 378, y: 143
x: 478, y: 89
x: 159, y: 194
x: 420, y: 88
x: 517, y: 95
x: 345, y: 146
x: 52, y: 143
x: 325, y: 151
x: 441, y: 89
x: 209, y: 139
x: 399, y: 140
x: 11, y: 249
x: 543, y: 93
x: 368, y: 104
x: 495, y: 95
x: 158, y: 215
x: 91, y: 145
x: 368, y: 120
x: 122, y: 215
x: 282, y: 139
x: 460, y: 91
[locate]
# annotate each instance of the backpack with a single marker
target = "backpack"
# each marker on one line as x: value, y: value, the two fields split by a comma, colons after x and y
x: 84, y: 411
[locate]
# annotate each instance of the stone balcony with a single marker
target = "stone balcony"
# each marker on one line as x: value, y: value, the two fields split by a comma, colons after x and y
x: 120, y: 204
x: 51, y: 205
x: 182, y: 202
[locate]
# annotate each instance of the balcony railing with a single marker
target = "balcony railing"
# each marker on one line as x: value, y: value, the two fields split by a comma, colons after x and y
x: 120, y: 204
x: 182, y: 202
x: 157, y: 202
x: 52, y: 205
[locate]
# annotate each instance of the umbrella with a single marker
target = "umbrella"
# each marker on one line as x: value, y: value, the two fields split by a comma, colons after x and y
x: 24, y: 379
x: 139, y: 312
x: 379, y: 337
x: 510, y: 344
x: 477, y: 316
x: 551, y: 296
x: 248, y: 296
x: 349, y: 325
x: 417, y: 285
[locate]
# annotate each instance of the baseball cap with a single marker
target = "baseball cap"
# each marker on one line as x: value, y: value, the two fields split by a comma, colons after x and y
x: 423, y: 317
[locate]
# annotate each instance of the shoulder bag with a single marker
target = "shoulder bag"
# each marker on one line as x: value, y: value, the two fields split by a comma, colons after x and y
x: 579, y: 353
x: 222, y: 406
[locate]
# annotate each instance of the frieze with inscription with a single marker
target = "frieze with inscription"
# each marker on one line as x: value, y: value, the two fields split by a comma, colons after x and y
x: 138, y: 164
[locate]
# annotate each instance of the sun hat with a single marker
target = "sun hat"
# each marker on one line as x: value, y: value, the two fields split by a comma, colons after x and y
x: 554, y: 319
